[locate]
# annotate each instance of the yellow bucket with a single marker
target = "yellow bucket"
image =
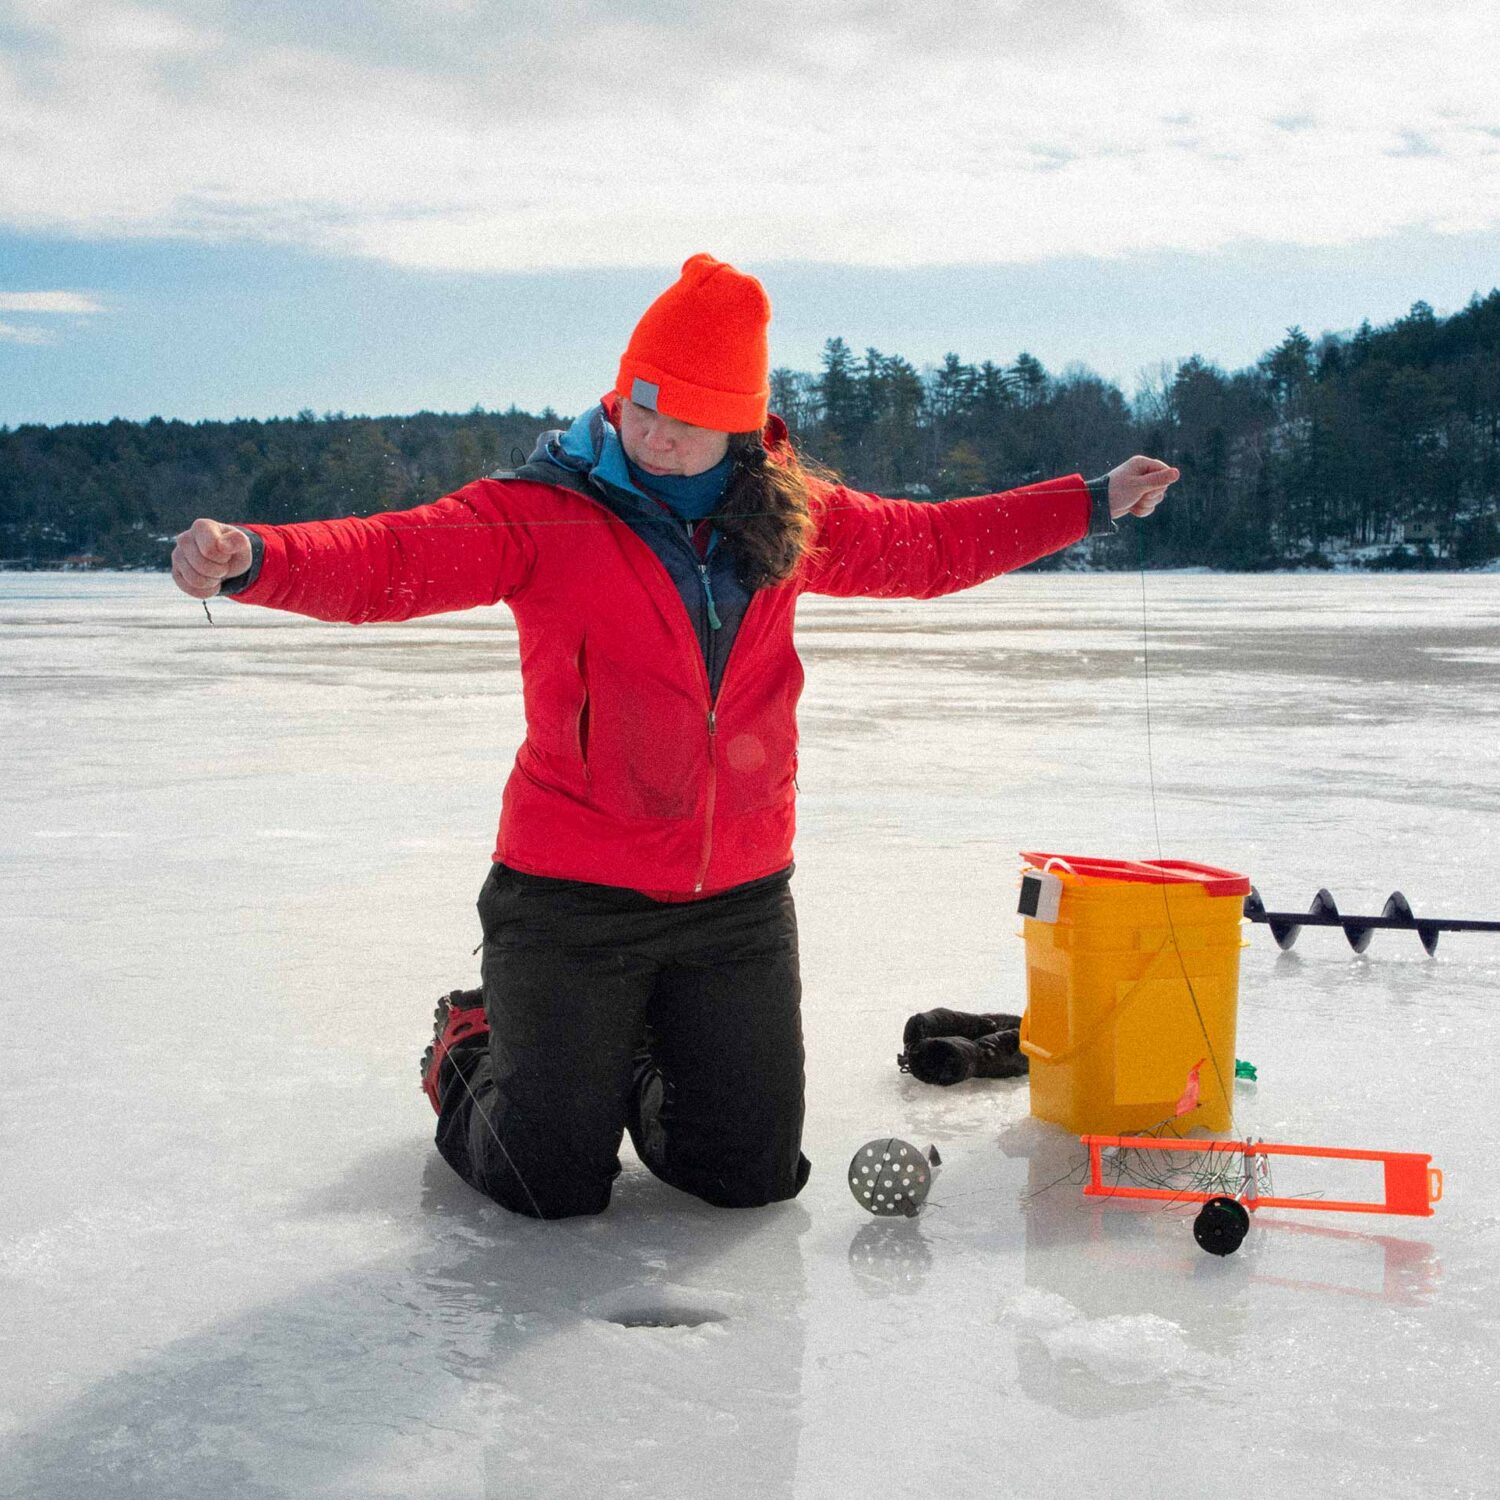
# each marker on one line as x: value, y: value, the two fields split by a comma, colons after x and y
x: 1132, y: 980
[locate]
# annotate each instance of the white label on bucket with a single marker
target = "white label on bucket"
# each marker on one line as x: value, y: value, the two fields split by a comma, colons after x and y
x: 1041, y: 895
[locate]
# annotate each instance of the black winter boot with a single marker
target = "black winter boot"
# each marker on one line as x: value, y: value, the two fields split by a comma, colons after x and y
x: 952, y: 1059
x: 954, y: 1023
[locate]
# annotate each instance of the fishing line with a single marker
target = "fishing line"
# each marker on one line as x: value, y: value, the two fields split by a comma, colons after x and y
x: 490, y: 1126
x: 499, y: 525
x: 1039, y: 489
x: 1137, y: 1166
x: 1224, y: 1088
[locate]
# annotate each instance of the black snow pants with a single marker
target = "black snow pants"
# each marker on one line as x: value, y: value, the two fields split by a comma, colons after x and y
x: 608, y: 1011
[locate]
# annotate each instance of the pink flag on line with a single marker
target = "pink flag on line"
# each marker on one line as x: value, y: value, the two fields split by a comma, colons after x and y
x: 1189, y: 1099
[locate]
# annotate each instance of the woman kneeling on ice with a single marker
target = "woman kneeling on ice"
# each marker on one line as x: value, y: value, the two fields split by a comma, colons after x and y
x: 640, y: 944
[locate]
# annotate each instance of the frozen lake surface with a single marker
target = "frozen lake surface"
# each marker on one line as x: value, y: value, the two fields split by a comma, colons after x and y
x: 238, y: 865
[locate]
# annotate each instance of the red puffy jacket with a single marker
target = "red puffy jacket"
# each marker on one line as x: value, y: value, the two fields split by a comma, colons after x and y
x: 630, y: 775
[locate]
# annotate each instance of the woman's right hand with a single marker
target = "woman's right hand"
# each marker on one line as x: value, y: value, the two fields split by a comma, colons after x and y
x: 206, y: 554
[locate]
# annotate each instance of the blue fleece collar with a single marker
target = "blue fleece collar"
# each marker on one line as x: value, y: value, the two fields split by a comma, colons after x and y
x: 592, y: 446
x: 690, y: 497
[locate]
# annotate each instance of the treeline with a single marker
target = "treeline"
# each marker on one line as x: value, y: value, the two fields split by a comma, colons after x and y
x: 114, y: 493
x: 1380, y: 448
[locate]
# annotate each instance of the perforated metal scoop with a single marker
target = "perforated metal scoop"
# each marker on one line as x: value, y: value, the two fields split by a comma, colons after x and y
x: 891, y: 1177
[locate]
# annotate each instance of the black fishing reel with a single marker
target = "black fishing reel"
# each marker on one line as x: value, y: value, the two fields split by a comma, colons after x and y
x: 1221, y: 1225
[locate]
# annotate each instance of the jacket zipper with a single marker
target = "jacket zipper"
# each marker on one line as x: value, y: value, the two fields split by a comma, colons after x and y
x: 715, y: 624
x: 709, y: 798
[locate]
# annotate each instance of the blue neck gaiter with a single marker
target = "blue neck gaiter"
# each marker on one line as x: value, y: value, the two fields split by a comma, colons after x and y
x: 690, y: 497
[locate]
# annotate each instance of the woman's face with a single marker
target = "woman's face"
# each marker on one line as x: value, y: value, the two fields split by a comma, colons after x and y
x: 663, y: 445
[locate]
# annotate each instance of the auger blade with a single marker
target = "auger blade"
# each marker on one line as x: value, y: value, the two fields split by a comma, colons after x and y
x: 1326, y: 910
x: 1359, y: 937
x: 1283, y: 931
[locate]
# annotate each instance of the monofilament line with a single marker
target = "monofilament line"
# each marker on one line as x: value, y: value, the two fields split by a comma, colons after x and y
x: 1225, y: 1088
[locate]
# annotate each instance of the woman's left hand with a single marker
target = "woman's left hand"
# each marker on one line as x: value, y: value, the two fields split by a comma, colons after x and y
x: 1136, y: 487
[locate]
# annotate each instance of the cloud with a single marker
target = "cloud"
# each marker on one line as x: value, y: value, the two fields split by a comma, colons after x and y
x: 11, y: 334
x: 69, y: 304
x: 48, y: 302
x: 450, y: 135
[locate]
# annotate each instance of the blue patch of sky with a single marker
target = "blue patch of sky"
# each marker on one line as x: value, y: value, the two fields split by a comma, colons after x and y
x: 194, y: 330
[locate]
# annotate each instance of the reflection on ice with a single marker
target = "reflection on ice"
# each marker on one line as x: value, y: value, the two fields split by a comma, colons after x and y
x: 890, y: 1256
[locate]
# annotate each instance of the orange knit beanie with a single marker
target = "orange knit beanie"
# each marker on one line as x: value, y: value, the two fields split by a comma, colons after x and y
x: 699, y: 354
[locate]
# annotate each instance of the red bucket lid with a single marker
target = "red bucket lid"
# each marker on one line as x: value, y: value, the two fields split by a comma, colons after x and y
x: 1214, y: 881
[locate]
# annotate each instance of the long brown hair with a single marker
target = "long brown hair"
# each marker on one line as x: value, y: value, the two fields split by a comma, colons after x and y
x: 766, y: 515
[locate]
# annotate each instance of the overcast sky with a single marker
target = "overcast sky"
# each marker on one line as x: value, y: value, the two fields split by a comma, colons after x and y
x: 491, y: 190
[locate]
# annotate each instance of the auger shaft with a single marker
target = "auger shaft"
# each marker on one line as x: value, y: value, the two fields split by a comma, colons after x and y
x: 1324, y: 912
